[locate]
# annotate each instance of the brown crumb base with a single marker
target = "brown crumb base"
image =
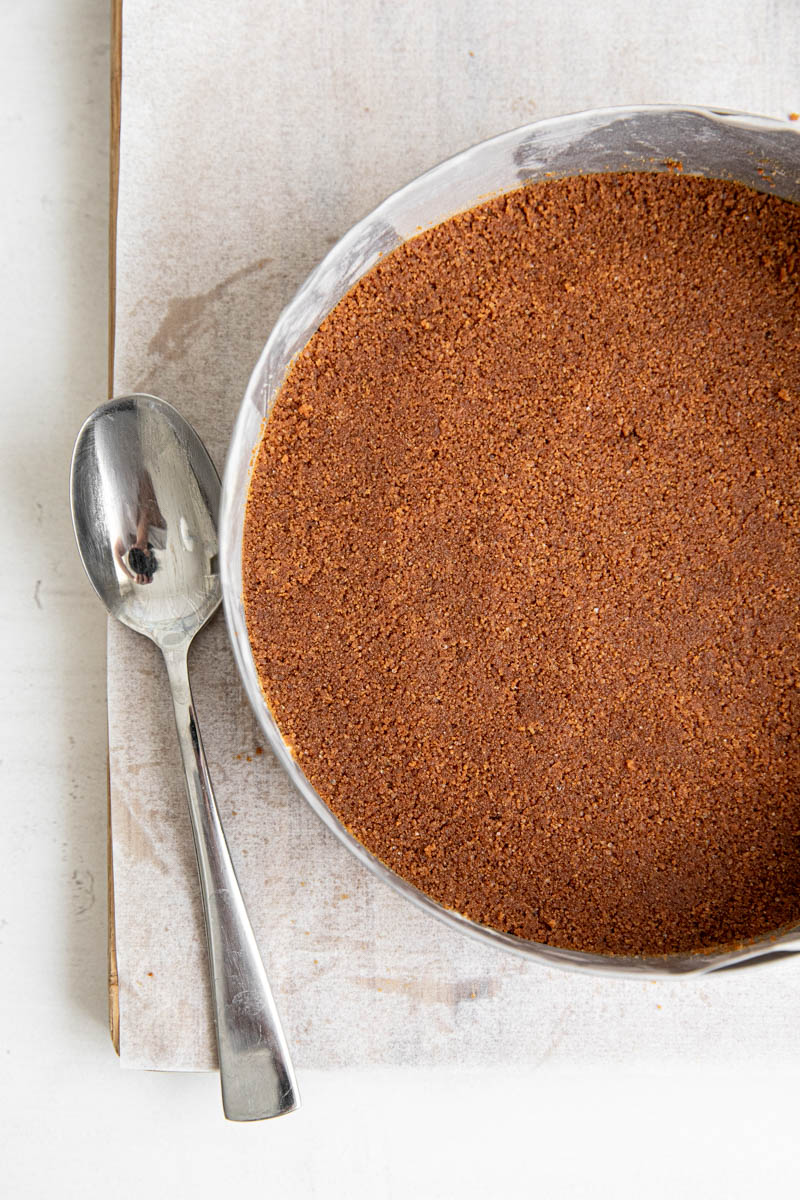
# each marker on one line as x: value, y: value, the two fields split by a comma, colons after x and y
x: 521, y: 562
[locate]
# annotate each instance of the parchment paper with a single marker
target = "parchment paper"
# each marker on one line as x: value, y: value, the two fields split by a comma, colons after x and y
x: 253, y: 135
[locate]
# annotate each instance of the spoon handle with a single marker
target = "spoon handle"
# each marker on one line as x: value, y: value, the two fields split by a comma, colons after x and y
x: 255, y: 1068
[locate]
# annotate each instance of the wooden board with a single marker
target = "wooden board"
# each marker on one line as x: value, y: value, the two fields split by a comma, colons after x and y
x: 204, y: 261
x: 113, y: 193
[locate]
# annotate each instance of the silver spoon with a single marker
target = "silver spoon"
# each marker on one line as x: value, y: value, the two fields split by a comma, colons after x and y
x: 145, y: 497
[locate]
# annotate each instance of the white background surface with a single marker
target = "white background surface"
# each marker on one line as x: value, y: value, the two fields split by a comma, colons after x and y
x: 71, y: 1123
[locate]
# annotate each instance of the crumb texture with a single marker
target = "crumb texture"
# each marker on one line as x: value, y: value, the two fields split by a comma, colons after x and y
x: 521, y: 562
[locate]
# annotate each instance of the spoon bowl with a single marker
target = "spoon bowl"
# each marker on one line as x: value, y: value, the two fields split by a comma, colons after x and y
x: 138, y: 471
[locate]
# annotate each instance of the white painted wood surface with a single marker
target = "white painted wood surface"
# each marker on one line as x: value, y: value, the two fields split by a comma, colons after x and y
x: 663, y: 1114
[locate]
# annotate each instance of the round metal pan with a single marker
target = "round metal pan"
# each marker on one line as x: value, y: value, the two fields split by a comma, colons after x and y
x: 757, y: 151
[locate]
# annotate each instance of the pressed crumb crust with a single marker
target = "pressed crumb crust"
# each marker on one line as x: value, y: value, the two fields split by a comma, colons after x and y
x: 521, y: 562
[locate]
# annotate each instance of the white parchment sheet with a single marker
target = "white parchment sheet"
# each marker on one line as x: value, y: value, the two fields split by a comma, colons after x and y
x: 254, y: 133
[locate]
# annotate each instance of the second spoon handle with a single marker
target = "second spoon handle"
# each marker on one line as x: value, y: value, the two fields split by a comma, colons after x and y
x: 255, y: 1068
